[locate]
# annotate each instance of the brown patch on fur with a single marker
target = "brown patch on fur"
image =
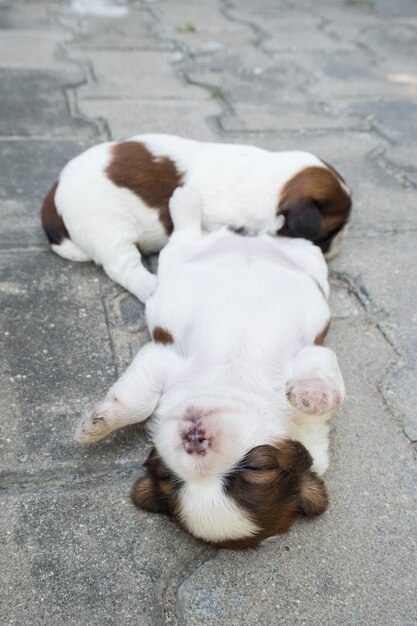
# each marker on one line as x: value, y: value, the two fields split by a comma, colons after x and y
x: 273, y: 484
x: 157, y: 490
x: 152, y: 178
x: 315, y: 205
x: 52, y: 223
x: 322, y: 335
x: 160, y: 335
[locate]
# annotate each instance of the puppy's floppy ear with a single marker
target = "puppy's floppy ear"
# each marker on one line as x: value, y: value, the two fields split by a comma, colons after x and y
x: 292, y: 456
x: 303, y: 221
x: 295, y: 458
x: 146, y: 492
x: 147, y: 495
x: 314, y: 499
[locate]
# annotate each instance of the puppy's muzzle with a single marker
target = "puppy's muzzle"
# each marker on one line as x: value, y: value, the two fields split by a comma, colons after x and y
x: 194, y: 438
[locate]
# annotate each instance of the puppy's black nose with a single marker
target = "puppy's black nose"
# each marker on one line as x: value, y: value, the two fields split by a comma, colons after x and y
x: 195, y: 441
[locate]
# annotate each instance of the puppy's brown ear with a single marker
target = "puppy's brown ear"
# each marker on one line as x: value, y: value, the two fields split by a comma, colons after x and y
x: 314, y: 499
x: 147, y: 495
x: 146, y: 492
x: 292, y: 456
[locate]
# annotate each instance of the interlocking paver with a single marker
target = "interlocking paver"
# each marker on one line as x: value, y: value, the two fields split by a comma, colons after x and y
x: 335, y: 78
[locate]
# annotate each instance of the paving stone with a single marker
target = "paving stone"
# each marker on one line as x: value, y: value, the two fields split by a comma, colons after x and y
x: 390, y: 298
x: 346, y: 21
x: 57, y: 360
x: 354, y: 564
x: 392, y: 118
x: 284, y: 115
x: 346, y: 74
x: 401, y: 8
x: 26, y: 16
x: 26, y: 49
x: 129, y: 75
x: 29, y: 168
x: 87, y: 552
x: 394, y: 43
x: 130, y: 117
x: 342, y: 304
x: 134, y: 31
x: 191, y: 18
x: 250, y: 79
x: 33, y: 103
x: 21, y: 226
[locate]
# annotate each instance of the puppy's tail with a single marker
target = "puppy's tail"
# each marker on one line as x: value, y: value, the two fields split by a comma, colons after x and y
x: 56, y: 231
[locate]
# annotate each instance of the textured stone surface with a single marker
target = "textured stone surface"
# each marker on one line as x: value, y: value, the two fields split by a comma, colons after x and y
x: 34, y: 103
x: 335, y: 78
x: 130, y: 117
x: 28, y: 170
x: 129, y: 74
x: 27, y: 49
x: 84, y: 554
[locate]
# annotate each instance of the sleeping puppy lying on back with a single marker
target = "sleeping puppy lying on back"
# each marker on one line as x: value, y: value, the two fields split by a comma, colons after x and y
x: 113, y: 199
x: 239, y: 387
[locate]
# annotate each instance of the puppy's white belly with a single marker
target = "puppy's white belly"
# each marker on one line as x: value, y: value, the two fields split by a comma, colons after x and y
x: 250, y: 305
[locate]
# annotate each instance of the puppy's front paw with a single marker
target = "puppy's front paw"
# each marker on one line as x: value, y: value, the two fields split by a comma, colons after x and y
x: 185, y: 207
x: 312, y: 395
x: 95, y: 426
x: 146, y: 286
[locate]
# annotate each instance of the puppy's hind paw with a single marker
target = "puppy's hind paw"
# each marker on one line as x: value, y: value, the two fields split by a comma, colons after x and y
x: 312, y: 395
x: 93, y: 427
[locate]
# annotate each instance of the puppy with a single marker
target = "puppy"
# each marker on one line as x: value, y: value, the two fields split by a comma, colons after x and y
x: 113, y: 199
x: 240, y: 390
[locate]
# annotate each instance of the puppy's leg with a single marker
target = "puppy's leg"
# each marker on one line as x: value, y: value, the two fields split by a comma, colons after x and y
x: 123, y: 264
x: 185, y: 207
x: 133, y: 397
x: 316, y: 387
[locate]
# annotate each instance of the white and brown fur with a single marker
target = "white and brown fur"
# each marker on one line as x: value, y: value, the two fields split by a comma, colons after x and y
x: 112, y: 200
x: 239, y: 387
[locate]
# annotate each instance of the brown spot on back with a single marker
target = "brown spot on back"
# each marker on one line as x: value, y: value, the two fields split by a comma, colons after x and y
x: 160, y: 335
x: 153, y: 179
x: 322, y: 335
x: 315, y: 205
x: 52, y: 222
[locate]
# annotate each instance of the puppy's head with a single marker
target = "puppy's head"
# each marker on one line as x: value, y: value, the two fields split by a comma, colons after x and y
x: 259, y: 497
x: 316, y: 204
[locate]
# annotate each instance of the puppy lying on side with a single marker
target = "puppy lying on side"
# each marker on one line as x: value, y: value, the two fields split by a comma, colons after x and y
x: 113, y: 199
x: 240, y: 392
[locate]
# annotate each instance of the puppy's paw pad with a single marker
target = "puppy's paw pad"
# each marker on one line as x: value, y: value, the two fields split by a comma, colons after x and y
x: 93, y: 427
x: 312, y: 395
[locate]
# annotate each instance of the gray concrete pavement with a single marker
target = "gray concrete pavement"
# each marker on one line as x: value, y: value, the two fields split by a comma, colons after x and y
x: 338, y: 78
